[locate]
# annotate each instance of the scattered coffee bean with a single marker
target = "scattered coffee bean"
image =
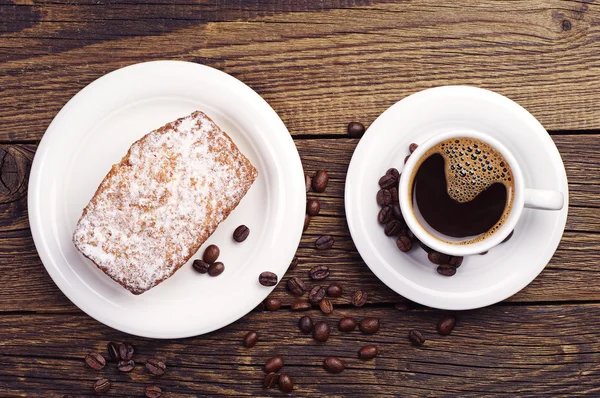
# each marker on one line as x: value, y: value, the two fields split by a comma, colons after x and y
x: 324, y: 242
x: 272, y: 304
x: 438, y: 258
x: 95, y: 360
x: 113, y: 351
x: 296, y: 286
x: 321, y: 331
x: 301, y: 305
x: 335, y: 290
x: 126, y: 366
x: 356, y: 129
x: 359, y: 298
x: 305, y: 324
x: 216, y: 269
x: 313, y: 207
x: 306, y: 222
x: 385, y: 215
x: 369, y: 325
x: 211, y: 253
x: 347, y: 324
x: 384, y: 197
x: 308, y: 181
x: 319, y: 182
x: 286, y: 384
x: 267, y: 278
x: 394, y: 192
x: 446, y: 270
x: 293, y: 263
x: 319, y: 272
x: 200, y: 266
x: 367, y: 352
x: 156, y: 366
x: 153, y: 392
x: 406, y: 159
x: 271, y: 380
x: 326, y: 306
x: 455, y: 261
x: 410, y: 235
x: 394, y: 172
x: 126, y: 351
x: 508, y: 237
x: 388, y: 181
x: 241, y: 233
x: 404, y: 243
x: 250, y: 339
x: 316, y: 294
x: 413, y: 147
x: 274, y: 364
x: 333, y: 364
x: 101, y: 386
x: 392, y: 228
x: 403, y: 306
x: 416, y: 337
x: 397, y: 213
x: 446, y: 325
x: 425, y: 247
x: 260, y: 307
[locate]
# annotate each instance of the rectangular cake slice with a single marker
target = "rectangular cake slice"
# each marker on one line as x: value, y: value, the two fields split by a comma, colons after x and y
x: 162, y: 201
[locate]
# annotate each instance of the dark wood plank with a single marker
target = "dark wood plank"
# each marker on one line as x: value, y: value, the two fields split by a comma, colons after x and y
x: 319, y: 64
x: 539, y: 350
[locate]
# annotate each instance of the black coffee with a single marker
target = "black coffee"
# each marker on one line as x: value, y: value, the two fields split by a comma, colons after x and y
x: 463, y: 187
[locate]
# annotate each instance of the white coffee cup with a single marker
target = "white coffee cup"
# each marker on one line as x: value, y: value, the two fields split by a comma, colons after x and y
x: 522, y: 197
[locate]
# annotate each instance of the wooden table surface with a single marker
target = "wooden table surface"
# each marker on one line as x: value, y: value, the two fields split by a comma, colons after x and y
x: 320, y: 64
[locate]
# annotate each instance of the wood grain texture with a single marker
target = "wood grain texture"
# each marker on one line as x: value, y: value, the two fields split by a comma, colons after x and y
x: 319, y: 64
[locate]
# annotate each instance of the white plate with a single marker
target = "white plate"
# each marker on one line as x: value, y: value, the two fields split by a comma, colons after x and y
x: 481, y: 280
x: 95, y: 129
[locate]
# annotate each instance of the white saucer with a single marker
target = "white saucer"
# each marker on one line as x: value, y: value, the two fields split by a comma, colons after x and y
x: 481, y: 280
x: 95, y: 129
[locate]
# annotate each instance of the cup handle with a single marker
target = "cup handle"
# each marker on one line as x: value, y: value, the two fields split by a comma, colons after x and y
x: 543, y: 199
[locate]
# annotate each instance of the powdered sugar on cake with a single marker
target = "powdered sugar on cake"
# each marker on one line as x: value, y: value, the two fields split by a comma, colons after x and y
x: 162, y: 201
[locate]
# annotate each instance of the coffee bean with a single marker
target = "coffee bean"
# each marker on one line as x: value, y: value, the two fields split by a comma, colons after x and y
x: 425, y: 247
x: 446, y: 270
x: 410, y: 235
x: 397, y: 213
x: 359, y: 298
x: 413, y: 147
x: 271, y: 380
x: 250, y: 339
x: 293, y: 263
x: 385, y: 215
x: 326, y: 306
x: 319, y: 272
x: 384, y: 197
x: 101, y: 386
x: 392, y: 228
x: 267, y: 278
x: 319, y: 182
x: 455, y: 261
x: 394, y: 192
x: 260, y: 307
x: 388, y: 181
x: 403, y: 306
x: 446, y: 325
x: 113, y: 351
x: 438, y: 258
x: 95, y: 360
x: 335, y: 290
x: 306, y: 222
x: 367, y: 352
x: 272, y: 304
x: 286, y: 384
x: 126, y: 366
x: 394, y: 172
x: 274, y: 364
x: 416, y: 337
x: 313, y: 206
x: 126, y: 351
x: 301, y: 305
x: 216, y: 269
x: 347, y: 324
x: 508, y: 237
x: 316, y: 294
x: 404, y: 243
x: 333, y: 364
x: 156, y: 366
x: 369, y: 325
x: 356, y: 129
x: 296, y: 286
x: 321, y: 331
x: 305, y: 324
x: 324, y: 242
x: 153, y: 392
x: 406, y: 159
x: 200, y: 266
x: 241, y: 233
x: 211, y: 253
x: 308, y: 181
